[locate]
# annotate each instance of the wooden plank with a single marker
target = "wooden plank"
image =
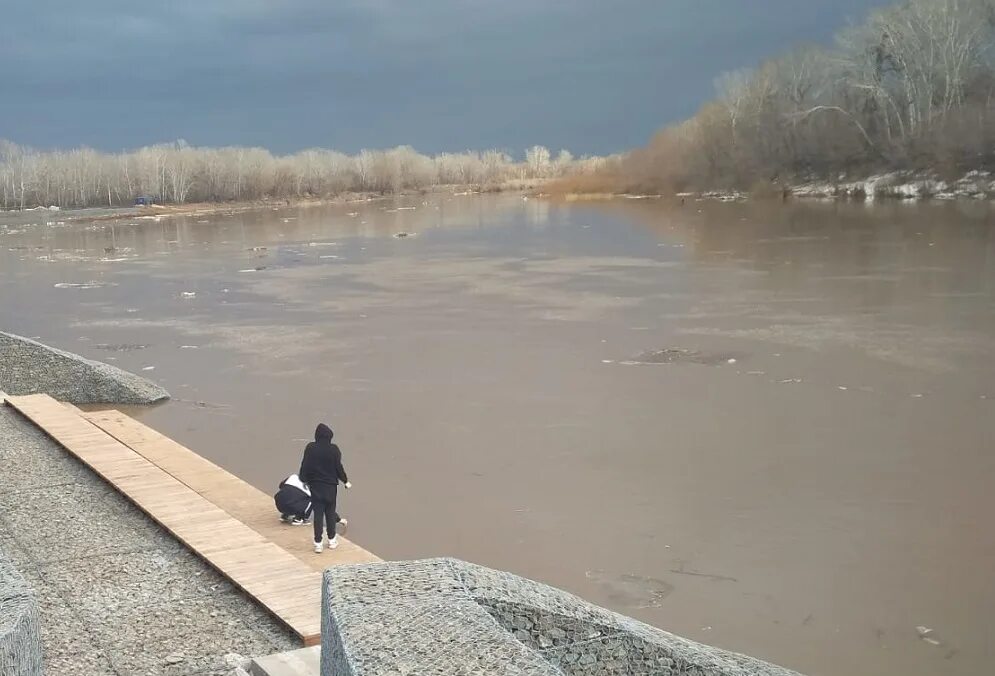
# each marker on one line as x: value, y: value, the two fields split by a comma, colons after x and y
x: 240, y: 499
x: 264, y: 570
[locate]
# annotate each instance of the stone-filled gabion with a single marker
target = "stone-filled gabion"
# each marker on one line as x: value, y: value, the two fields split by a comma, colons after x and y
x: 29, y: 367
x: 452, y: 618
x: 20, y: 637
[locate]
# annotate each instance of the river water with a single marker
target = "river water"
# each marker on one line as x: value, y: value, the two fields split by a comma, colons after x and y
x: 767, y: 427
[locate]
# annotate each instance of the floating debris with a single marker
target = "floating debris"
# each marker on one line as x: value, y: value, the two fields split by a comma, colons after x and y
x: 678, y: 355
x: 926, y: 634
x: 120, y: 347
x: 634, y: 591
x: 188, y: 294
x: 148, y: 368
x: 402, y: 235
x: 188, y: 347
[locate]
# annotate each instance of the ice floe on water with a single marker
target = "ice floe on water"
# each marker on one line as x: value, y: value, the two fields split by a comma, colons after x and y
x: 683, y: 356
x: 83, y: 285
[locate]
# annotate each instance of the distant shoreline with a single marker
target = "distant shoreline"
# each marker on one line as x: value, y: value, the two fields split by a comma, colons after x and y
x: 49, y: 216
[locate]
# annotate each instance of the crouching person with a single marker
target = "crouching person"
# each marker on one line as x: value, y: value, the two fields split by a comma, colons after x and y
x: 293, y: 501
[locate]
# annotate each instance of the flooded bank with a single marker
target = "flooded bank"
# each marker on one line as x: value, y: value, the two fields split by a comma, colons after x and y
x: 764, y: 427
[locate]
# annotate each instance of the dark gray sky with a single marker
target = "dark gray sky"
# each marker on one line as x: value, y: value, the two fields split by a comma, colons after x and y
x: 594, y: 76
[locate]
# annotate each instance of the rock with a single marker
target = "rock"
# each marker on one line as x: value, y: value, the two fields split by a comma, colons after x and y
x: 30, y: 367
x: 174, y: 659
x: 236, y: 661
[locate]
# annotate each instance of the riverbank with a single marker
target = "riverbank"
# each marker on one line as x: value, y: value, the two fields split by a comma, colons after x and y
x: 54, y: 215
x: 30, y: 367
x: 975, y: 185
x: 158, y: 212
x: 118, y: 595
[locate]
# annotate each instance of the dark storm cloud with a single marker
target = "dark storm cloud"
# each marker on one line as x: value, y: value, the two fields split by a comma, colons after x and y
x: 590, y: 75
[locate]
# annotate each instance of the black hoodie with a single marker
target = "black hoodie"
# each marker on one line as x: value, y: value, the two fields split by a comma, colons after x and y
x: 321, y: 468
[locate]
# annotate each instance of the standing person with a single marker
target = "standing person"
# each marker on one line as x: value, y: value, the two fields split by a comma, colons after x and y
x: 321, y: 470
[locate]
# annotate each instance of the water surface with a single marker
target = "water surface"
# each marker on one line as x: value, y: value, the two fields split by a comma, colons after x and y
x: 765, y: 427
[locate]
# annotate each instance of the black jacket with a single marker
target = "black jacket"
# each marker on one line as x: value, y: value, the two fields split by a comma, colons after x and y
x: 321, y: 468
x: 292, y: 498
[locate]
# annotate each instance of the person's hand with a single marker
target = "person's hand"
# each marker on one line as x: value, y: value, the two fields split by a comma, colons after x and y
x: 348, y: 484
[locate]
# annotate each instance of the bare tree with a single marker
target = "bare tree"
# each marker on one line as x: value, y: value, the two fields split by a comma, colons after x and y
x: 913, y: 86
x: 537, y: 159
x: 176, y: 172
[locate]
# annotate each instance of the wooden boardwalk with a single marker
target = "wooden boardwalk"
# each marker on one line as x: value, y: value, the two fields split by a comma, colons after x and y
x: 230, y: 524
x: 243, y: 501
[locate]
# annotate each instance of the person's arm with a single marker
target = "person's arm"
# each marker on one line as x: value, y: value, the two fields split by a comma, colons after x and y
x: 302, y: 474
x: 343, y: 477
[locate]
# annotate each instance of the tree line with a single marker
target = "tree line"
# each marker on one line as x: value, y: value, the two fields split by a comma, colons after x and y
x: 912, y: 87
x: 179, y: 173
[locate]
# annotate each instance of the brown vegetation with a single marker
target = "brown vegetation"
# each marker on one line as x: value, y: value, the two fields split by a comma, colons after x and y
x: 913, y: 87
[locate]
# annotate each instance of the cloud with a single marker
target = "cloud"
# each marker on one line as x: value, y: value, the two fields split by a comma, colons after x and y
x: 446, y: 74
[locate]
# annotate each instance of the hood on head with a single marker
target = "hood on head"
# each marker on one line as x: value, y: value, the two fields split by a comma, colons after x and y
x: 323, y: 431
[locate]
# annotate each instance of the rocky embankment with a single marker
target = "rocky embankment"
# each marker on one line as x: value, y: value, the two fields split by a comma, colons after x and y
x: 29, y: 367
x: 902, y: 185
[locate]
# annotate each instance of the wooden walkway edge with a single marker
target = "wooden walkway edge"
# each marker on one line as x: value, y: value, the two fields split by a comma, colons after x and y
x: 277, y: 579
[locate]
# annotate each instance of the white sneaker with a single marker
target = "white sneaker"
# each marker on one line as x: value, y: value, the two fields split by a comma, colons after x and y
x: 318, y: 548
x: 333, y: 543
x: 344, y: 523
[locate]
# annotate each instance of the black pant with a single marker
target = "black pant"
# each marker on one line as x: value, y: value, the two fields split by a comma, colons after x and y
x: 324, y: 512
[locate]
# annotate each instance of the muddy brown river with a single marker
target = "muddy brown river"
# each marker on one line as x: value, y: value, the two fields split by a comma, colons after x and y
x: 762, y: 426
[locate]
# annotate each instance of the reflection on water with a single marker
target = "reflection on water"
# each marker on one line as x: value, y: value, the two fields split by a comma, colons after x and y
x: 762, y: 426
